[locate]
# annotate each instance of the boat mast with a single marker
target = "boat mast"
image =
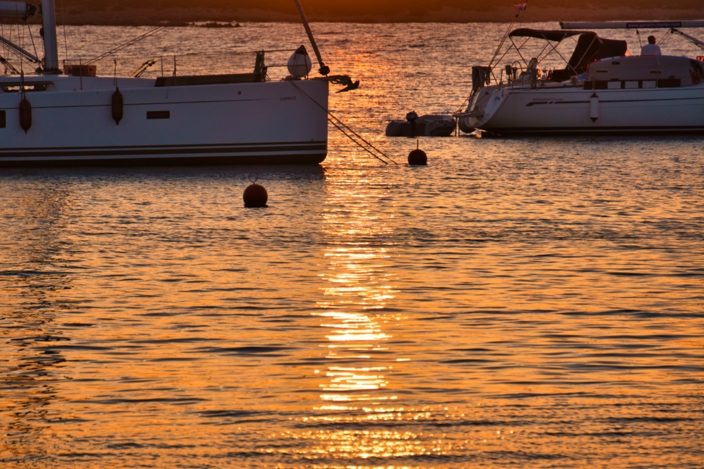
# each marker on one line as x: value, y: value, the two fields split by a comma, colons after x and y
x: 51, y: 52
x: 324, y: 69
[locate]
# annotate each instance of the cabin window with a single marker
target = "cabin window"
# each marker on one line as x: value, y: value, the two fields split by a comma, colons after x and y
x: 669, y: 83
x: 16, y: 87
x: 158, y: 114
x: 596, y: 85
x: 3, y: 120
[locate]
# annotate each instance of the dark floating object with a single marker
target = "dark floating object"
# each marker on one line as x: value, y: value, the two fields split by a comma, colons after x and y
x: 428, y: 125
x: 117, y: 106
x: 25, y: 114
x: 255, y: 196
x: 417, y: 157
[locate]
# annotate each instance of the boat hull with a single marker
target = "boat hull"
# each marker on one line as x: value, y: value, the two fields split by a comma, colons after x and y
x: 575, y: 110
x: 72, y: 123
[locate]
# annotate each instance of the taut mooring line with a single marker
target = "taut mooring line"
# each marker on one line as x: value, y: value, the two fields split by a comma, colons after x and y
x: 349, y: 132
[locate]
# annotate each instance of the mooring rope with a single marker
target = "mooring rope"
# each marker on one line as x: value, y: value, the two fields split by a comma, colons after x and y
x: 348, y: 131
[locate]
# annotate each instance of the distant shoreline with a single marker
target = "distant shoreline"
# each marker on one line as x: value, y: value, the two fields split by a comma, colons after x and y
x: 185, y: 16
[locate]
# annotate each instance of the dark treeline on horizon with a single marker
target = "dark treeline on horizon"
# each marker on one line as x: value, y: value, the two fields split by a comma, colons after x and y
x: 384, y: 10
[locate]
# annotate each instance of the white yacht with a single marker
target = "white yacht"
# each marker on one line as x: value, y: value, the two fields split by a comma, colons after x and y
x: 600, y: 89
x: 65, y: 114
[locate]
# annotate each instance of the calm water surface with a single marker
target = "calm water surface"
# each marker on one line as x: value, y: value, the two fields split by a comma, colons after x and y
x: 518, y: 303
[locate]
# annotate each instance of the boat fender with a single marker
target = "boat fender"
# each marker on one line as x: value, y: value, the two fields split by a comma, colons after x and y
x: 299, y: 64
x: 594, y: 107
x: 25, y: 114
x: 117, y: 106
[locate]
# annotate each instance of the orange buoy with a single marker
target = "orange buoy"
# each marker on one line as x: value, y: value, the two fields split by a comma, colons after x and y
x: 117, y: 106
x: 255, y: 196
x: 25, y: 114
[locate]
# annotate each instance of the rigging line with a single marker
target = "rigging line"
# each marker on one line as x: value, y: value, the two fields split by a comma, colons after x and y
x: 508, y: 31
x: 126, y: 44
x: 360, y: 141
x: 359, y: 136
x: 462, y: 107
x: 199, y: 54
x: 344, y: 132
x: 20, y: 39
x: 369, y: 146
x: 498, y: 49
x: 501, y: 44
x: 4, y: 47
x: 225, y: 53
x: 65, y: 42
x: 347, y: 133
x: 31, y: 37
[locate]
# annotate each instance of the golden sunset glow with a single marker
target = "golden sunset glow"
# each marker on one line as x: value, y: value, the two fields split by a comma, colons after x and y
x: 524, y: 302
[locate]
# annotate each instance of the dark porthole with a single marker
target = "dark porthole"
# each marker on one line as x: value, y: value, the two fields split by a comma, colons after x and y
x: 158, y: 114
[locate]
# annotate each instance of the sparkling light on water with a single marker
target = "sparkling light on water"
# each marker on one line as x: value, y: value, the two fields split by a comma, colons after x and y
x: 527, y: 303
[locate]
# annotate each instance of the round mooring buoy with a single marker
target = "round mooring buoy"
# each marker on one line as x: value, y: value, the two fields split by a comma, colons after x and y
x: 255, y: 196
x: 417, y: 157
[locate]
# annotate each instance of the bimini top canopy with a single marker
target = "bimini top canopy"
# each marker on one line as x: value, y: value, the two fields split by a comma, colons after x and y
x: 547, y: 34
x: 590, y: 47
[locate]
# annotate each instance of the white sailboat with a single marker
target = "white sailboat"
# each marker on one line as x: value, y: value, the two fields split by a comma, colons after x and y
x: 71, y: 116
x: 600, y: 90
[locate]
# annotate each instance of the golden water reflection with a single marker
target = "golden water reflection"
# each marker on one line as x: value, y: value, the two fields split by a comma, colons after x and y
x: 355, y: 385
x: 355, y: 338
x: 30, y: 303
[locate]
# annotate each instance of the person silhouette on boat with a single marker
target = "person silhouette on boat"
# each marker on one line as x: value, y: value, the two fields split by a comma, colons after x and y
x: 650, y: 48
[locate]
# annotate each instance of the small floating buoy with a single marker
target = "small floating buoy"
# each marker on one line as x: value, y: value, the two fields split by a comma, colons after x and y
x: 25, y: 114
x: 255, y: 196
x: 117, y: 106
x: 417, y: 157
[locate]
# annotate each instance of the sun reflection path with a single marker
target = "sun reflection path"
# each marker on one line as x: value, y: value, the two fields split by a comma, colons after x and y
x: 355, y: 338
x: 360, y: 409
x: 355, y: 342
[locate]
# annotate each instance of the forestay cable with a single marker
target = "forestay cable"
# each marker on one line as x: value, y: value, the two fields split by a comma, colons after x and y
x: 126, y: 44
